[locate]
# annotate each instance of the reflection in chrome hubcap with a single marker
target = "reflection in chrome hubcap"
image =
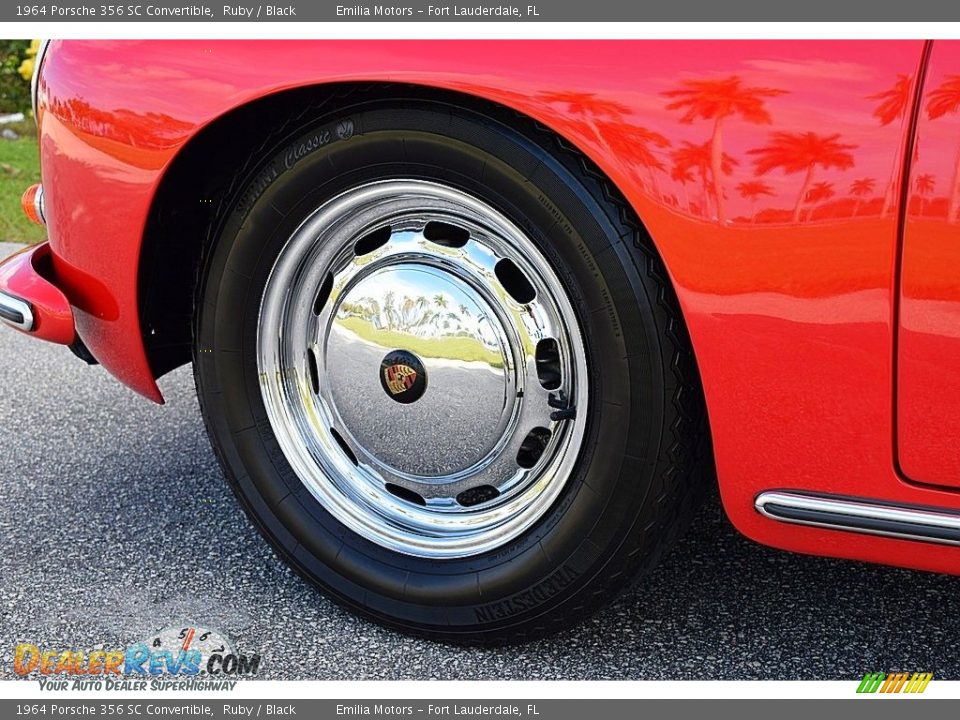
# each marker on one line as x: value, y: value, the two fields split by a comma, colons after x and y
x: 422, y: 369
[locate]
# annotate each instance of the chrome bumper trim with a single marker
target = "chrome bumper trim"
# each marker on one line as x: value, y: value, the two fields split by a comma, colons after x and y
x: 39, y: 205
x: 16, y: 312
x: 861, y: 516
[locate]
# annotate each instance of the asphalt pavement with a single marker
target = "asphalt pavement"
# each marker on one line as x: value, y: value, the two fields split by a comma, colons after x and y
x: 115, y: 521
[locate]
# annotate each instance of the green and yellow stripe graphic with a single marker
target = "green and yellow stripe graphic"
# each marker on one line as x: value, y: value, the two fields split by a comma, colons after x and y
x: 895, y: 682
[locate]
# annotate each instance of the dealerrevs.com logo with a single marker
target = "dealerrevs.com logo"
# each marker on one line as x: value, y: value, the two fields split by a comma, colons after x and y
x: 176, y: 658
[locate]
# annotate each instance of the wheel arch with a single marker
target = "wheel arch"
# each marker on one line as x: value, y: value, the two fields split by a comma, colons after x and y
x: 199, y: 179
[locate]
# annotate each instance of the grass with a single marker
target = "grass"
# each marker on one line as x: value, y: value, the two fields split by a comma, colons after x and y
x: 462, y: 348
x: 19, y: 168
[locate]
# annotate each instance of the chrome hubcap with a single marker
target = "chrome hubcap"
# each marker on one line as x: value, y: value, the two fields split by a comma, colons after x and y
x: 422, y: 369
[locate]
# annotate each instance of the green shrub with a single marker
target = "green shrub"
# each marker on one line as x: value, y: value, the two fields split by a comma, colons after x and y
x: 14, y: 89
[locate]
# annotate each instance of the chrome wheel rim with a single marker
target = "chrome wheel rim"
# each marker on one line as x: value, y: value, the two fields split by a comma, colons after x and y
x: 422, y: 369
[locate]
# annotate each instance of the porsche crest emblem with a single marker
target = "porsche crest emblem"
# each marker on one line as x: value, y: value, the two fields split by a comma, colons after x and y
x: 399, y: 378
x: 403, y: 376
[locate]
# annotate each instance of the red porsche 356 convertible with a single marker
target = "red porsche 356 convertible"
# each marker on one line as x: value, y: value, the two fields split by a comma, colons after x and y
x: 475, y: 325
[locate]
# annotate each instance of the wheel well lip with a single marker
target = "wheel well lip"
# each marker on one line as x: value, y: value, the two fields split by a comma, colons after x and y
x: 554, y: 121
x: 557, y: 121
x: 552, y: 118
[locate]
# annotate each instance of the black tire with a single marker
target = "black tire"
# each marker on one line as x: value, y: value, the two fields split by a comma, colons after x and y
x: 642, y: 466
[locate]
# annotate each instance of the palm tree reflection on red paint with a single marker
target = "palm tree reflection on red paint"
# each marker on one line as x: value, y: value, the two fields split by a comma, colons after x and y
x: 591, y: 108
x: 802, y: 152
x: 820, y: 191
x: 860, y: 189
x: 893, y: 106
x: 924, y: 185
x: 717, y: 100
x: 683, y: 175
x: 817, y: 193
x: 699, y: 159
x: 637, y: 144
x: 945, y: 100
x: 751, y: 190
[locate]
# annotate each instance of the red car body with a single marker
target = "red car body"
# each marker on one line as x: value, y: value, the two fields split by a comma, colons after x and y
x: 803, y: 195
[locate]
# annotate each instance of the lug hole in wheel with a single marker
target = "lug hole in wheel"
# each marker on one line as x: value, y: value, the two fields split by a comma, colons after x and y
x: 514, y: 281
x: 372, y: 241
x: 314, y: 372
x: 343, y: 446
x: 405, y: 494
x: 477, y: 495
x: 323, y: 294
x: 446, y: 234
x: 548, y: 363
x: 532, y: 447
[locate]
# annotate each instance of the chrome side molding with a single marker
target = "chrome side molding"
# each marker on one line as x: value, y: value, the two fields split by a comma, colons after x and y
x: 862, y: 516
x: 16, y: 312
